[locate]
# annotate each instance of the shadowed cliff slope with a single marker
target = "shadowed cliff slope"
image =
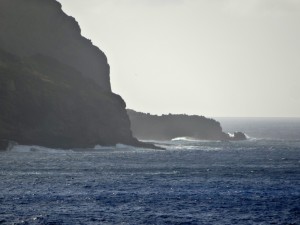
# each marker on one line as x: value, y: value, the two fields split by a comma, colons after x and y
x: 29, y: 27
x: 44, y: 102
x: 54, y: 84
x: 166, y: 127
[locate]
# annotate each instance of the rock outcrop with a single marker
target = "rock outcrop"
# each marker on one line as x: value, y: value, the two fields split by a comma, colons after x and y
x: 237, y: 136
x: 54, y: 84
x: 167, y: 127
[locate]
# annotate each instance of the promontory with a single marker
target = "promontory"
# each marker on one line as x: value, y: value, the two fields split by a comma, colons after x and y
x: 54, y: 83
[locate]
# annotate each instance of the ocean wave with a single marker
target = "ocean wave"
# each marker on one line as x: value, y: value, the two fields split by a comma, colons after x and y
x: 35, y: 148
x: 122, y: 148
x: 188, y: 139
x: 117, y: 146
x: 103, y: 148
x: 250, y: 138
x: 230, y: 134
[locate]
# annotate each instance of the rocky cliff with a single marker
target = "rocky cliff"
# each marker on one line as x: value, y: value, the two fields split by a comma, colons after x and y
x: 54, y: 84
x: 29, y: 27
x: 166, y: 127
x: 44, y: 102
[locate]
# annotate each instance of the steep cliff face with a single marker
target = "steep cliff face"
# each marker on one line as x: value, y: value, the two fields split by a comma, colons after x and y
x: 44, y: 102
x: 166, y: 127
x: 54, y: 84
x: 29, y: 27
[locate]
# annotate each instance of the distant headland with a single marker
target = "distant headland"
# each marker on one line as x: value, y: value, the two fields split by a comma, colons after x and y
x: 167, y: 127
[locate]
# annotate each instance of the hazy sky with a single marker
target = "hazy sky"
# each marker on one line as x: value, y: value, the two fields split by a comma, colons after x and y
x: 205, y: 57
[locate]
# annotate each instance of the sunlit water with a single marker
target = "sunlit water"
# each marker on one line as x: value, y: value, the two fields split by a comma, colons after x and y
x: 192, y: 182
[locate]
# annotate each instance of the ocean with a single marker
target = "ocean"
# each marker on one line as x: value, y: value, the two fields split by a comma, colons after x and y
x: 191, y: 182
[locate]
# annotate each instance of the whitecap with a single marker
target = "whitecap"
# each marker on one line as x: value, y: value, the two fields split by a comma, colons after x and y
x: 100, y: 147
x: 184, y: 139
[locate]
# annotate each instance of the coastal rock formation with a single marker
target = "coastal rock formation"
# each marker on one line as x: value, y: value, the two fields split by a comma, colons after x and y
x: 238, y: 136
x: 167, y: 127
x: 44, y: 102
x: 41, y: 27
x: 54, y: 84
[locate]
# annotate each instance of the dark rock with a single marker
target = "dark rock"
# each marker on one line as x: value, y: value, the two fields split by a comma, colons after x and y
x: 166, y: 127
x: 41, y: 27
x: 239, y: 136
x: 54, y: 84
x: 4, y: 145
x: 47, y: 103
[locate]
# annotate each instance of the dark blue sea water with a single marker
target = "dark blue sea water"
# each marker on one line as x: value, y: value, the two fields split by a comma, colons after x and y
x: 192, y: 182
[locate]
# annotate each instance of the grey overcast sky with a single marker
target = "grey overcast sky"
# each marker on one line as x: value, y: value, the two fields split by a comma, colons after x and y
x: 205, y: 57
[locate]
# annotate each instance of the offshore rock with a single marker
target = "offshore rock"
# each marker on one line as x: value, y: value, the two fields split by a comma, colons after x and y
x: 239, y: 136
